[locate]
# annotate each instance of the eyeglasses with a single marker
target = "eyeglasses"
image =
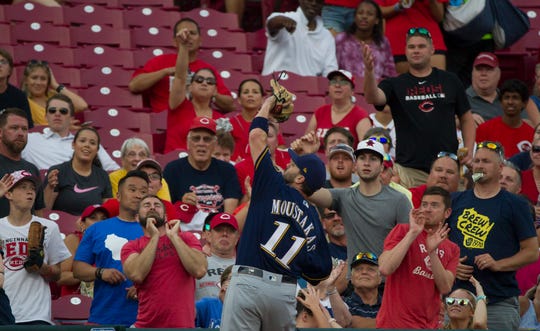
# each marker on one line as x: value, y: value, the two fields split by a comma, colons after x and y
x: 38, y: 63
x: 340, y: 82
x: 4, y: 62
x: 206, y: 139
x: 154, y: 176
x: 367, y: 255
x: 494, y: 146
x: 536, y: 149
x: 448, y: 154
x: 329, y: 215
x: 457, y: 301
x: 382, y: 140
x: 419, y: 31
x: 63, y: 111
x: 200, y: 79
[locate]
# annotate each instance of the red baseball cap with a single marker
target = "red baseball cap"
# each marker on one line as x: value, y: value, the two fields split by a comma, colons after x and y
x: 91, y: 209
x: 185, y: 211
x: 202, y: 122
x: 223, y: 218
x: 486, y: 58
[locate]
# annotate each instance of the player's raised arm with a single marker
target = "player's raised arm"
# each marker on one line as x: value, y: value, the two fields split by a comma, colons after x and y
x: 259, y: 129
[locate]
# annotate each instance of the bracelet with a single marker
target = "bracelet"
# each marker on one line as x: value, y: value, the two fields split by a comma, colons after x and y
x: 99, y: 273
x: 332, y: 292
x: 481, y: 297
x: 60, y: 88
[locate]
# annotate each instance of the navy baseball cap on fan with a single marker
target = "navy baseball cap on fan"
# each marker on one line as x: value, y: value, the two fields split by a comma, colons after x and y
x: 365, y: 257
x: 311, y: 167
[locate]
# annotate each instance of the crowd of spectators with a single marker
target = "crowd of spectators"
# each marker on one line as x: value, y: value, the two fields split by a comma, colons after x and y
x: 429, y: 207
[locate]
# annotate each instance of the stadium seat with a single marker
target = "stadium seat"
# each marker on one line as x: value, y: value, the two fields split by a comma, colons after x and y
x: 233, y: 78
x: 92, y: 14
x: 33, y: 12
x: 72, y: 309
x: 70, y: 77
x: 144, y: 3
x: 295, y: 127
x: 99, y: 35
x: 115, y: 76
x: 208, y: 18
x: 230, y: 60
x: 164, y: 159
x: 297, y: 83
x: 113, y: 138
x: 158, y: 122
x: 256, y: 41
x: 102, y: 3
x: 142, y: 55
x: 217, y: 38
x: 150, y: 16
x: 5, y: 32
x: 99, y: 55
x: 151, y: 37
x: 31, y: 32
x: 119, y: 118
x: 110, y: 96
x: 307, y: 104
x: 67, y: 223
x: 44, y: 52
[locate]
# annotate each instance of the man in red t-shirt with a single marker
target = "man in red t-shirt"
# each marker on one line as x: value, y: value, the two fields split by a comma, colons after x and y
x: 163, y: 265
x: 154, y: 79
x: 419, y: 263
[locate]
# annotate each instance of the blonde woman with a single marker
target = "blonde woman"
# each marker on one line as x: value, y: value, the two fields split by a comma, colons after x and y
x: 466, y: 310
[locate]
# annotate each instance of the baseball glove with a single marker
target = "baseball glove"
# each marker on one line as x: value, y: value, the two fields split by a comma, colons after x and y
x: 36, y: 235
x: 283, y: 107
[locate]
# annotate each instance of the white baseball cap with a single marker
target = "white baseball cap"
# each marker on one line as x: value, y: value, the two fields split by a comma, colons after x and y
x: 370, y: 145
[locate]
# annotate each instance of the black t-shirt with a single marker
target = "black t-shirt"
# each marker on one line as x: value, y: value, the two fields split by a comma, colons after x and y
x: 13, y: 97
x: 424, y: 109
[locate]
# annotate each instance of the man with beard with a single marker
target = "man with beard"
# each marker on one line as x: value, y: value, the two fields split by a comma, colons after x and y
x: 369, y: 210
x: 419, y: 263
x: 444, y: 173
x: 340, y: 166
x: 163, y: 264
x: 13, y: 138
x: 495, y: 232
x: 337, y: 242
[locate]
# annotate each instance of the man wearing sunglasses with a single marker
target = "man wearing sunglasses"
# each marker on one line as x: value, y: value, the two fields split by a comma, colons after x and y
x: 419, y: 263
x: 54, y: 145
x: 495, y: 232
x: 154, y: 79
x: 424, y: 103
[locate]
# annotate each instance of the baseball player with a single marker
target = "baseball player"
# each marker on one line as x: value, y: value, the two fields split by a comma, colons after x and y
x: 282, y: 239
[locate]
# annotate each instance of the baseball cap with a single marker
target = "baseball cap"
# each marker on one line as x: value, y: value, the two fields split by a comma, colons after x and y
x: 387, y: 161
x: 370, y: 145
x: 343, y: 73
x: 365, y: 257
x: 223, y: 218
x: 21, y: 175
x: 202, y: 122
x: 342, y: 148
x: 486, y: 58
x: 185, y: 212
x: 149, y: 163
x: 311, y: 167
x: 91, y: 209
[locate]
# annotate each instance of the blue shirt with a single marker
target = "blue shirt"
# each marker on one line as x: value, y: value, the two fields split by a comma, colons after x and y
x: 208, y: 313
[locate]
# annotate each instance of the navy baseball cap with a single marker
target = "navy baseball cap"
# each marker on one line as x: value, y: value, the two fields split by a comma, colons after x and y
x: 365, y: 257
x: 311, y: 167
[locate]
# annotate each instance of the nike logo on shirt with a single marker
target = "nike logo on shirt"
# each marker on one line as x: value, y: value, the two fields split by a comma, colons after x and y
x: 84, y: 190
x: 422, y: 82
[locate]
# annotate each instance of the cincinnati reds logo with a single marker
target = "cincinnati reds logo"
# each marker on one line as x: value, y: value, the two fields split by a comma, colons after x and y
x: 225, y: 216
x: 204, y: 120
x: 426, y: 106
x: 14, y: 263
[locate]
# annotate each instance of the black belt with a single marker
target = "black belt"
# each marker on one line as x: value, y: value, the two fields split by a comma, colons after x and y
x: 260, y: 273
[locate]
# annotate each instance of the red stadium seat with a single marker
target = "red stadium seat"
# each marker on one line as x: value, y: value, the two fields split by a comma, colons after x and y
x: 92, y: 14
x: 5, y: 32
x: 114, y: 117
x: 208, y: 18
x: 44, y: 52
x: 31, y: 32
x: 256, y: 41
x: 152, y: 36
x: 70, y: 77
x: 150, y: 16
x: 102, y: 3
x: 110, y: 96
x: 113, y: 138
x: 72, y: 309
x: 67, y: 223
x: 228, y: 60
x: 297, y: 83
x: 143, y: 3
x: 217, y: 38
x: 164, y: 159
x: 33, y: 12
x: 99, y: 55
x: 99, y: 35
x: 115, y: 76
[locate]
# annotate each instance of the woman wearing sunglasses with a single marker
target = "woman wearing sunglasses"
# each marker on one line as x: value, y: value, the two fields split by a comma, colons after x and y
x: 402, y: 15
x: 201, y: 88
x: 40, y: 84
x: 74, y: 185
x: 341, y: 111
x: 465, y: 310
